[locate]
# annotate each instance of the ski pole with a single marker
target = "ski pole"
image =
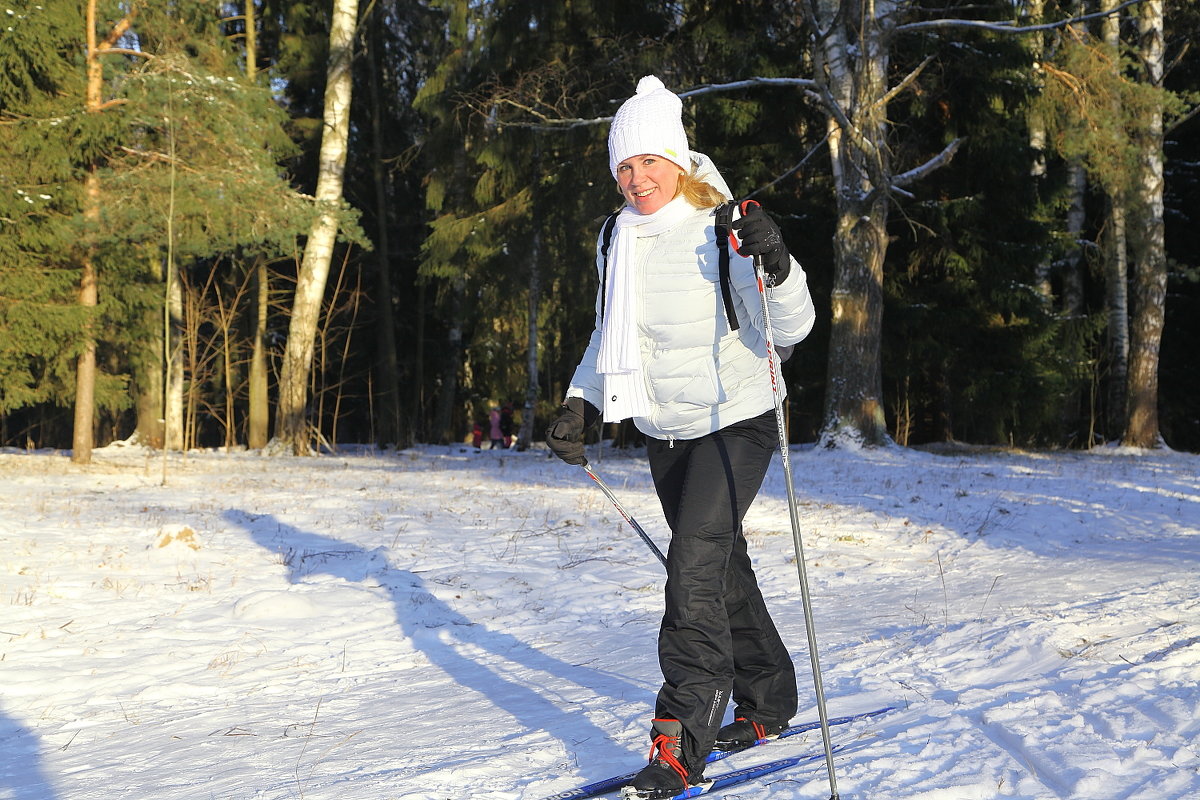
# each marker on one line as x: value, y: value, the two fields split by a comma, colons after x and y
x: 632, y: 522
x: 801, y: 570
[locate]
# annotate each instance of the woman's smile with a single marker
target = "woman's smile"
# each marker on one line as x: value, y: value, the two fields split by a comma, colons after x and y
x: 648, y: 182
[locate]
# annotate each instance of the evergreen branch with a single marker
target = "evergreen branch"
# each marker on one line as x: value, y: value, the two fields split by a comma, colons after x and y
x: 118, y: 101
x: 1009, y: 27
x: 937, y: 162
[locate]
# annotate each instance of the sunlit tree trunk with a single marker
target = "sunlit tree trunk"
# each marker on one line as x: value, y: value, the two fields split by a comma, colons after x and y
x: 82, y: 438
x: 291, y: 424
x: 259, y: 412
x: 257, y: 421
x: 1150, y: 262
x: 173, y: 436
x: 852, y: 60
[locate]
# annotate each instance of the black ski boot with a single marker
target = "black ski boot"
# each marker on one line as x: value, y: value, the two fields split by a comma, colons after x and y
x: 743, y: 733
x: 666, y: 775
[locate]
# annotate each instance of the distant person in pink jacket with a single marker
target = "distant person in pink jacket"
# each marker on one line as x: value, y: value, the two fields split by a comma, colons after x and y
x: 496, y: 435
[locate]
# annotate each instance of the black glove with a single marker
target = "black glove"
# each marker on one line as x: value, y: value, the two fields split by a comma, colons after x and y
x: 759, y: 236
x: 565, y: 434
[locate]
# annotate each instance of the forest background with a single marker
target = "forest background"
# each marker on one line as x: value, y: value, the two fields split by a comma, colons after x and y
x: 288, y: 225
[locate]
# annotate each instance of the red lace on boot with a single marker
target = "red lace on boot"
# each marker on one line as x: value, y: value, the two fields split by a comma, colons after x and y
x: 664, y: 747
x: 760, y: 732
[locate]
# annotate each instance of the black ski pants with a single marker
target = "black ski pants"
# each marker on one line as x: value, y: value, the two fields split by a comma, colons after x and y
x: 717, y: 637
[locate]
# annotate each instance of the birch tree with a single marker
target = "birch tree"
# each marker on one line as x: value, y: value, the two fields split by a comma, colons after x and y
x: 1150, y: 259
x: 291, y: 425
x: 1116, y: 262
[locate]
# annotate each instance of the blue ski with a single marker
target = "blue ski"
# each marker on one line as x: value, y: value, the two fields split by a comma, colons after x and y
x: 746, y: 774
x: 612, y: 784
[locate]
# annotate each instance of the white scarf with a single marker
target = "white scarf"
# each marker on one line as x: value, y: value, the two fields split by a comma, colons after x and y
x: 619, y: 361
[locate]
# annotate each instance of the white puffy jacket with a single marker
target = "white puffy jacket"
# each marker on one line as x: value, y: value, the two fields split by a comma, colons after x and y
x: 700, y: 375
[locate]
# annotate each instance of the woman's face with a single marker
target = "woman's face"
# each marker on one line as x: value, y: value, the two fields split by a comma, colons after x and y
x: 648, y: 182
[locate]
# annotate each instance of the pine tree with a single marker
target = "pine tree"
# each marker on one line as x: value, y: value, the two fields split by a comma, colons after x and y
x: 186, y: 159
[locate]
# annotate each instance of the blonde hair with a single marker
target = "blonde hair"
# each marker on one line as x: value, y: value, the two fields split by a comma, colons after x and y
x: 698, y: 193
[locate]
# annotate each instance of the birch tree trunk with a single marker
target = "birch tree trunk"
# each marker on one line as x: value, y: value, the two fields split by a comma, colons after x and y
x: 1037, y: 141
x: 1116, y: 265
x: 291, y: 424
x: 852, y: 63
x: 1150, y: 262
x: 1116, y: 300
x: 173, y: 417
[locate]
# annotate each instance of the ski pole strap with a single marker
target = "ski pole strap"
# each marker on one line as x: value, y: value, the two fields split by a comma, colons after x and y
x: 724, y: 231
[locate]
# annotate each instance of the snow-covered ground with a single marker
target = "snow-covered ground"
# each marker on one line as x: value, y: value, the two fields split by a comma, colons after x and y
x: 441, y: 623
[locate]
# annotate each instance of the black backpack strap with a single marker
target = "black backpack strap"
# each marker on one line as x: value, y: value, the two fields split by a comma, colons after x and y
x: 723, y: 227
x: 605, y: 241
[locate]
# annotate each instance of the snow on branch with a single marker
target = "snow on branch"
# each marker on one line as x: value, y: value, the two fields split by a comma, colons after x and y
x: 1009, y: 27
x: 937, y: 162
x: 706, y: 88
x: 547, y: 121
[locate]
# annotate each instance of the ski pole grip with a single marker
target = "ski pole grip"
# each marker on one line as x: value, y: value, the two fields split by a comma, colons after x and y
x: 743, y: 208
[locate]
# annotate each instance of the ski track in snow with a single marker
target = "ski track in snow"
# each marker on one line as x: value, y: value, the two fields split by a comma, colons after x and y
x: 443, y: 624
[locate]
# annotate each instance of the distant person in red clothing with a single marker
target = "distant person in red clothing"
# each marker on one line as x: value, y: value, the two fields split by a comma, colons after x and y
x: 506, y: 425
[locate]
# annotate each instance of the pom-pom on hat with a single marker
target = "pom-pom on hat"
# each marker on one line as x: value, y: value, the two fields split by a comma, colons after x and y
x: 650, y: 122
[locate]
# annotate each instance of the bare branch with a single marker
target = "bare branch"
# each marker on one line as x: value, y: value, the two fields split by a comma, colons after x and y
x: 547, y: 122
x: 904, y: 84
x: 120, y: 29
x: 937, y: 162
x: 125, y: 51
x: 1176, y: 123
x: 708, y: 88
x: 1009, y: 27
x: 796, y: 168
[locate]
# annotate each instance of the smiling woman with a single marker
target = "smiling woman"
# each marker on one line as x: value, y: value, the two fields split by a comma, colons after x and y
x: 698, y: 384
x: 648, y: 182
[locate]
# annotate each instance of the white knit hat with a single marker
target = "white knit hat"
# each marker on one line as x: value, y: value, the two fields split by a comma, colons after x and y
x: 650, y: 122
